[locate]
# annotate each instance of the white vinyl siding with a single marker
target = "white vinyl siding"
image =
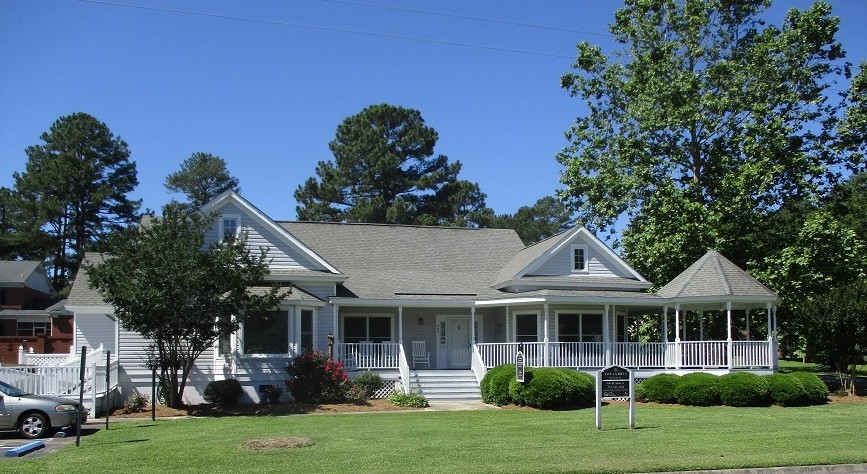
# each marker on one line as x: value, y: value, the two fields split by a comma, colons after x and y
x: 596, y: 264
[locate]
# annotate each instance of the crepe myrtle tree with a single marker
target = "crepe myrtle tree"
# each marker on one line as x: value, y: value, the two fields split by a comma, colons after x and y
x: 182, y: 294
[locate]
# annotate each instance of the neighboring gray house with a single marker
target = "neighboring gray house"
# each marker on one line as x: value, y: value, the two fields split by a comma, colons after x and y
x: 470, y: 297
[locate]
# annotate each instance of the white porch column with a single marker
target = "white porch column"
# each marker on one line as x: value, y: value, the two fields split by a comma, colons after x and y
x: 772, y: 355
x: 336, y: 332
x: 606, y: 335
x: 508, y: 318
x: 747, y: 316
x: 665, y: 324
x: 678, y: 351
x: 729, y: 342
x: 400, y: 325
x: 295, y: 332
x: 472, y: 326
x: 545, y: 355
x: 701, y: 325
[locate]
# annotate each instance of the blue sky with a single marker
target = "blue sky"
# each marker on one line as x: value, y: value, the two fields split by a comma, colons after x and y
x: 263, y: 84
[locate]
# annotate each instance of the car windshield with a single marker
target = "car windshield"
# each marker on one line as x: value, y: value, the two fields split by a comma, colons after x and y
x: 11, y: 391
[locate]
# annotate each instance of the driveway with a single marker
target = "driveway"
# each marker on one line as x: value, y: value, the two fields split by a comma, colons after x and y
x: 13, y: 440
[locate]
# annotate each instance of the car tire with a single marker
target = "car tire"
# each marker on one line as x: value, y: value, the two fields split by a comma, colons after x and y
x: 34, y: 425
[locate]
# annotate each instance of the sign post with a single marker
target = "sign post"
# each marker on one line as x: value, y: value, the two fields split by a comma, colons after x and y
x: 519, y: 364
x: 615, y: 382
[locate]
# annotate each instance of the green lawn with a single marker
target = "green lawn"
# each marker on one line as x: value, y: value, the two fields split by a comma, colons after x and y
x: 666, y: 438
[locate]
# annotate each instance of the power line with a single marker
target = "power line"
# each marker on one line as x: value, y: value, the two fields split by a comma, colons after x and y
x: 473, y: 18
x: 326, y: 28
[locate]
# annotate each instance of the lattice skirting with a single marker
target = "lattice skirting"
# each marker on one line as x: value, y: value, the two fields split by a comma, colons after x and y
x: 388, y: 386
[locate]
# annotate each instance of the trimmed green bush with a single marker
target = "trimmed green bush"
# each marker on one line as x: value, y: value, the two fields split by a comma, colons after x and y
x: 815, y: 391
x: 495, y: 385
x: 660, y: 388
x: 401, y: 399
x: 368, y: 383
x: 585, y: 388
x: 640, y: 393
x: 223, y: 392
x: 786, y: 390
x: 547, y: 387
x: 744, y: 389
x: 699, y: 389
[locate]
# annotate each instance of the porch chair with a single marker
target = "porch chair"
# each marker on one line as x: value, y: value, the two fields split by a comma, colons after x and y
x: 419, y: 354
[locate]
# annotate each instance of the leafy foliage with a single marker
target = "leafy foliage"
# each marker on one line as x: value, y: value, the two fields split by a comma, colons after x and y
x: 786, y: 390
x: 385, y: 171
x: 368, y: 383
x: 201, y: 178
x: 315, y: 378
x: 183, y: 295
x: 495, y: 385
x: 743, y: 389
x: 135, y: 403
x: 223, y: 392
x: 815, y: 391
x: 546, y: 217
x: 414, y: 400
x: 703, y: 124
x: 698, y: 388
x: 660, y: 388
x: 75, y: 187
x: 547, y: 387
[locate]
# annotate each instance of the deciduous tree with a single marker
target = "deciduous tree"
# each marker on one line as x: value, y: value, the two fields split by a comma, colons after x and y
x: 166, y: 284
x: 704, y: 124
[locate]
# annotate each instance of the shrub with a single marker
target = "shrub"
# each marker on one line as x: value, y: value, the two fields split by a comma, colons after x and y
x: 786, y: 390
x: 585, y: 388
x: 135, y: 403
x: 660, y: 388
x: 495, y: 385
x: 315, y: 378
x: 698, y: 388
x: 815, y: 391
x: 401, y: 399
x: 369, y: 382
x: 223, y: 392
x: 356, y: 394
x: 640, y: 393
x: 547, y: 387
x: 743, y: 389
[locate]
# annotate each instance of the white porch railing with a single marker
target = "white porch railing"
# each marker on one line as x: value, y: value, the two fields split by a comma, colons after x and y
x: 640, y: 355
x: 478, y: 364
x: 404, y: 369
x: 368, y: 355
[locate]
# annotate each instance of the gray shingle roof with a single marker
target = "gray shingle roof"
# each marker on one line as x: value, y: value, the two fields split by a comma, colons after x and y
x: 81, y: 293
x: 714, y: 276
x: 391, y: 261
x: 527, y: 256
x: 15, y: 273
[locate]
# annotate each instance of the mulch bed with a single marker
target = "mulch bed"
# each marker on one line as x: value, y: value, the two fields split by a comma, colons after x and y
x: 262, y: 409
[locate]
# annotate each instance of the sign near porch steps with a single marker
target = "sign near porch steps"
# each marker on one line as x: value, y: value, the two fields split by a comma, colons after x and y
x: 519, y: 365
x: 615, y: 382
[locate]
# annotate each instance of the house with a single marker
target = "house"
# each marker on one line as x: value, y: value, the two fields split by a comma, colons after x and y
x: 415, y: 302
x: 31, y: 314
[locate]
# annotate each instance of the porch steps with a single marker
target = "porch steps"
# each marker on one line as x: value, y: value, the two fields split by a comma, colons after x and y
x: 445, y: 385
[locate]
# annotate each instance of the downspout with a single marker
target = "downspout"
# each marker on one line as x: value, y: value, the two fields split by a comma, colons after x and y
x: 400, y: 325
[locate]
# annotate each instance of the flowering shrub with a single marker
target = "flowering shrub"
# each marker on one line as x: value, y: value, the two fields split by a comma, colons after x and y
x: 315, y: 378
x: 271, y: 393
x: 135, y: 403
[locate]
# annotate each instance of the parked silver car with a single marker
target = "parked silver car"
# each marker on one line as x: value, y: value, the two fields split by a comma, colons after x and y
x: 35, y: 416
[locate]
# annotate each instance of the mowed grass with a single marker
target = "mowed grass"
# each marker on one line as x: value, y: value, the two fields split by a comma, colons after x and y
x: 666, y: 438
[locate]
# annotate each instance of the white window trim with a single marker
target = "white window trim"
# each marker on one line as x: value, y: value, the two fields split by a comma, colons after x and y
x: 343, y: 317
x: 242, y: 336
x: 297, y: 312
x: 572, y: 250
x: 222, y: 230
x: 539, y: 328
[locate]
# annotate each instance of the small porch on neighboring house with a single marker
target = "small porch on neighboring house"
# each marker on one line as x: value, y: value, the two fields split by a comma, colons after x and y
x: 583, y: 330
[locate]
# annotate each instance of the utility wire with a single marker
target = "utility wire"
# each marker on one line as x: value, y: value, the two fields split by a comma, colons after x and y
x: 326, y: 28
x: 473, y: 18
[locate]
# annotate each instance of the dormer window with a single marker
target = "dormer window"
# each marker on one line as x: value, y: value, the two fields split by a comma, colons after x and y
x: 579, y: 258
x: 229, y: 228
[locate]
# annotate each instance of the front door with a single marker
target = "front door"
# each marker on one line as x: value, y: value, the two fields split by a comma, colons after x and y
x: 459, y: 343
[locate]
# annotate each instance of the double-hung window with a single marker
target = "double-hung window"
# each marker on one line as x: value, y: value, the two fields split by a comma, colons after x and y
x: 367, y: 329
x: 579, y: 258
x: 526, y: 327
x: 267, y: 333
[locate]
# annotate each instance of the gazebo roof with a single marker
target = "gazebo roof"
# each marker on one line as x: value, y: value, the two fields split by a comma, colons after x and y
x: 714, y: 278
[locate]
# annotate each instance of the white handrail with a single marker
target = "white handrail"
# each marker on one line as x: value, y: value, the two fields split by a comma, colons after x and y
x: 404, y: 369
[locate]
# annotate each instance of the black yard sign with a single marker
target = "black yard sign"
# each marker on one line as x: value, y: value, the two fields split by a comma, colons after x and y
x: 615, y: 382
x: 519, y: 366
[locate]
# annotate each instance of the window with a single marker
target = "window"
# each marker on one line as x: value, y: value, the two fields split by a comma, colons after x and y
x: 267, y: 333
x: 579, y: 258
x: 230, y: 228
x: 367, y: 328
x: 526, y: 327
x: 591, y: 328
x: 621, y: 328
x: 31, y: 329
x: 306, y: 330
x: 568, y: 327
